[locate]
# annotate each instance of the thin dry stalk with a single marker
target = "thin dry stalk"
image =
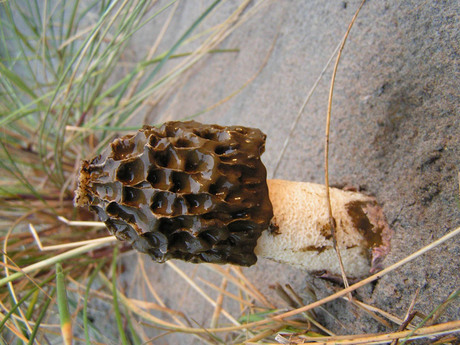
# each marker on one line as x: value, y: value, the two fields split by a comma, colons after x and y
x: 226, y: 293
x: 201, y: 292
x: 264, y: 334
x: 219, y: 301
x: 102, y: 240
x: 300, y: 112
x: 249, y: 81
x: 376, y: 276
x: 237, y: 270
x: 15, y: 331
x: 408, y: 317
x: 154, y: 292
x: 250, y: 325
x: 153, y: 50
x: 326, y: 149
x: 55, y: 259
x: 443, y: 306
x: 426, y: 332
x: 139, y: 303
x: 309, y: 316
x: 387, y: 315
x: 240, y: 285
x: 223, y: 31
x: 369, y: 312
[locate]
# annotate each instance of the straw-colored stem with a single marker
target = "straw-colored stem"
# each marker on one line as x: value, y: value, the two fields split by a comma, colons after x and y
x: 430, y: 331
x: 60, y: 257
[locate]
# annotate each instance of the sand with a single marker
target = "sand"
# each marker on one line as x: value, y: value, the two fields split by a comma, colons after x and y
x: 394, y: 133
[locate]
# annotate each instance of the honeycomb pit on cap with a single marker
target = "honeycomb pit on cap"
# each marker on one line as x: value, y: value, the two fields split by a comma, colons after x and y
x: 182, y: 191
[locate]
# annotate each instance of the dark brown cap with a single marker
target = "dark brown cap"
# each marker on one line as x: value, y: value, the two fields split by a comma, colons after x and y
x: 183, y: 191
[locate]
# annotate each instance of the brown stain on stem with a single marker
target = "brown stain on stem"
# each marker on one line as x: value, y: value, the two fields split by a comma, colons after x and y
x: 358, y: 212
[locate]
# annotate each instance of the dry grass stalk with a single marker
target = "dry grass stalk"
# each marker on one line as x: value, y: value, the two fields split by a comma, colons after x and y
x: 425, y: 332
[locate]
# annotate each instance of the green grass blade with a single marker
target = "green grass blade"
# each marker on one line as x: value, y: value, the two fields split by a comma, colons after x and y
x: 178, y: 43
x: 21, y: 40
x: 147, y: 89
x: 7, y: 56
x: 30, y: 308
x: 53, y: 260
x: 135, y: 338
x: 454, y: 295
x: 22, y: 300
x: 10, y: 92
x: 63, y: 306
x: 85, y: 303
x: 256, y: 316
x: 40, y: 318
x: 37, y: 12
x: 71, y: 28
x: 16, y: 171
x: 15, y: 79
x: 56, y: 174
x: 116, y: 306
x: 23, y: 111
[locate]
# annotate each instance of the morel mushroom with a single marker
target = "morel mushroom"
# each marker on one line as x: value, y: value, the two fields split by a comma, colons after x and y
x: 199, y: 193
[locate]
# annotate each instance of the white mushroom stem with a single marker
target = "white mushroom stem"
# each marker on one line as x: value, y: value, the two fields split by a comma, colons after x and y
x: 301, y: 235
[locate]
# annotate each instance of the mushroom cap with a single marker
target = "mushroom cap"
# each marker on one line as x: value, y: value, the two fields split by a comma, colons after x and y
x: 185, y: 191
